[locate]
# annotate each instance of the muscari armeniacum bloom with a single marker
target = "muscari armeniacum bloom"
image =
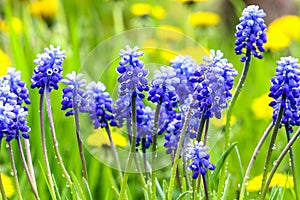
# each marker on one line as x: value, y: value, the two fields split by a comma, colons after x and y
x: 17, y: 86
x: 48, y: 71
x: 199, y: 157
x: 99, y: 105
x: 13, y: 121
x: 185, y: 67
x: 74, y: 93
x: 215, y: 80
x: 133, y: 75
x: 285, y: 91
x: 251, y: 32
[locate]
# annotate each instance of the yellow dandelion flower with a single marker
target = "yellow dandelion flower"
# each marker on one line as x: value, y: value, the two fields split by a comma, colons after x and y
x: 222, y: 122
x: 281, y: 31
x: 46, y: 9
x: 261, y: 108
x: 17, y: 25
x: 8, y: 185
x: 204, y: 19
x: 158, y: 12
x: 5, y: 63
x: 278, y: 180
x: 100, y: 138
x: 140, y: 9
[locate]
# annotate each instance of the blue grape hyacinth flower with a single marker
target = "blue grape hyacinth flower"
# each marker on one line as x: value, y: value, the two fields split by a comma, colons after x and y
x: 285, y: 91
x: 74, y: 93
x: 215, y: 80
x: 162, y: 87
x: 133, y: 75
x: 251, y: 33
x: 48, y: 71
x: 17, y: 86
x: 99, y: 105
x: 185, y: 67
x: 199, y: 157
x: 13, y: 121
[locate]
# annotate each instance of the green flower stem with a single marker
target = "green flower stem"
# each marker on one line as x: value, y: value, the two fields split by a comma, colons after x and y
x: 35, y: 192
x: 277, y: 163
x: 1, y: 184
x: 205, y: 187
x: 293, y: 165
x: 154, y: 154
x: 54, y: 139
x: 79, y: 141
x: 176, y: 159
x: 115, y: 153
x: 270, y: 148
x: 200, y: 128
x: 44, y: 146
x: 229, y: 115
x: 253, y: 158
x: 14, y: 169
x: 29, y: 161
x: 235, y: 97
x: 144, y: 156
x: 132, y: 149
x: 206, y: 131
x: 185, y: 171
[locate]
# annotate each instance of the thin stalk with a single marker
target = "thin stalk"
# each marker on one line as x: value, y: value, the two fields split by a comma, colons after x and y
x: 132, y: 148
x: 44, y: 146
x: 14, y: 169
x: 253, y: 158
x: 235, y: 97
x: 79, y: 141
x: 176, y: 160
x: 205, y: 187
x: 154, y: 153
x: 277, y: 163
x: 229, y: 115
x: 35, y: 192
x: 185, y: 170
x: 178, y: 180
x: 206, y: 132
x: 54, y: 139
x: 29, y: 161
x: 270, y: 148
x: 115, y: 153
x: 293, y: 165
x: 144, y: 155
x: 200, y: 128
x: 1, y: 184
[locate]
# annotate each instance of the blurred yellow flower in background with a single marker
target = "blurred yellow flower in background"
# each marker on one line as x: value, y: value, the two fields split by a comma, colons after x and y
x: 100, y: 138
x: 222, y: 122
x: 169, y: 33
x: 46, y: 9
x: 9, y: 188
x: 279, y: 180
x: 16, y: 25
x: 282, y: 31
x: 261, y: 108
x: 4, y: 63
x: 144, y: 9
x: 204, y: 19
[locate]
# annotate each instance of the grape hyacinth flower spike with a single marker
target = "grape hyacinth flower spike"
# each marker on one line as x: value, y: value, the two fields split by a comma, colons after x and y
x: 13, y: 123
x: 251, y: 33
x: 75, y: 98
x: 46, y: 76
x: 285, y: 91
x: 100, y: 107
